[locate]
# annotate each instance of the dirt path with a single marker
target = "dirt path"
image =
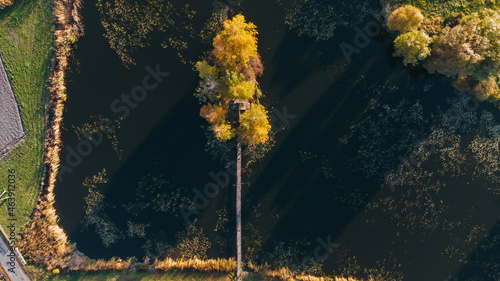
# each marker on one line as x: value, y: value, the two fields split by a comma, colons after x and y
x: 11, y: 126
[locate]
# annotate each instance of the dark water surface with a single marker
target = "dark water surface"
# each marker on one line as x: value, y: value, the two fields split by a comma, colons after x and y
x: 327, y: 174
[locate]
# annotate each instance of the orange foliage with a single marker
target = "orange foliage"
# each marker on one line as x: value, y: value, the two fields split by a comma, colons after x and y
x: 5, y: 3
x: 213, y: 113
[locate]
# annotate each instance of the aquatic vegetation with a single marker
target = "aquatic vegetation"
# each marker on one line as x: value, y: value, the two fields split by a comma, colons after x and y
x: 191, y: 244
x: 403, y: 123
x: 136, y: 229
x: 483, y: 263
x: 129, y: 25
x: 291, y: 255
x: 94, y: 180
x: 158, y: 194
x: 95, y: 128
x: 95, y: 212
x: 319, y: 18
x: 97, y: 217
x: 457, y: 157
x: 351, y: 197
x: 214, y: 24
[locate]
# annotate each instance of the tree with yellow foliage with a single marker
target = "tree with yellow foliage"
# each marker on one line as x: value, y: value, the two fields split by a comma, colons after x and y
x: 236, y: 44
x: 213, y: 113
x: 205, y: 69
x: 254, y: 125
x: 231, y: 84
x: 231, y: 76
x: 405, y: 18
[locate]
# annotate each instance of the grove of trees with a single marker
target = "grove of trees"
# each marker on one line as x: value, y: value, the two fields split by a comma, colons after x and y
x: 464, y: 48
x: 230, y: 75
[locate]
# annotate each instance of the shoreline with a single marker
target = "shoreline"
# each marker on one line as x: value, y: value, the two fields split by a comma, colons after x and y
x: 55, y: 249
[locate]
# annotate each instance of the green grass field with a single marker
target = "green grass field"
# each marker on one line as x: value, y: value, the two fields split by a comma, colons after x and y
x: 26, y: 44
x: 444, y: 8
x: 184, y: 275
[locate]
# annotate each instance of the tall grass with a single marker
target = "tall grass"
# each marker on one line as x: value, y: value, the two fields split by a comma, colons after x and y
x: 219, y: 265
x: 152, y: 276
x: 26, y: 42
x: 44, y: 241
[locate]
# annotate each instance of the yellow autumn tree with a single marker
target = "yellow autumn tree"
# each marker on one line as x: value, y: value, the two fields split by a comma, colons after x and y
x: 243, y: 90
x: 230, y: 75
x: 254, y: 125
x: 236, y: 44
x: 224, y: 131
x: 213, y: 113
x: 205, y: 70
x: 216, y: 116
x: 405, y: 18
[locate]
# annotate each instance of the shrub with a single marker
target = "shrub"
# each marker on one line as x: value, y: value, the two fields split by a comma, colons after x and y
x: 464, y: 84
x: 213, y: 113
x: 413, y: 46
x: 405, y: 18
x: 5, y: 3
x: 487, y: 90
x: 192, y: 243
x: 205, y: 69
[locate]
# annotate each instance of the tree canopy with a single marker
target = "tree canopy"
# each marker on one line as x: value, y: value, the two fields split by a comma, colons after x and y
x: 254, y: 125
x: 405, y: 18
x: 413, y: 46
x: 236, y: 44
x: 230, y: 75
x: 465, y: 48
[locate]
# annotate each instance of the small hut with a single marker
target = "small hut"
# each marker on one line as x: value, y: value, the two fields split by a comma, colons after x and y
x: 236, y: 108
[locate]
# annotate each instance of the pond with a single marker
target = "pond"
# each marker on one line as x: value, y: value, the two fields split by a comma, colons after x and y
x: 393, y: 168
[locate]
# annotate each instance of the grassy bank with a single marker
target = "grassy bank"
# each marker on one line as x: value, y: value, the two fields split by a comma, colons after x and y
x: 26, y: 43
x: 175, y: 275
x: 150, y: 276
x: 445, y: 8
